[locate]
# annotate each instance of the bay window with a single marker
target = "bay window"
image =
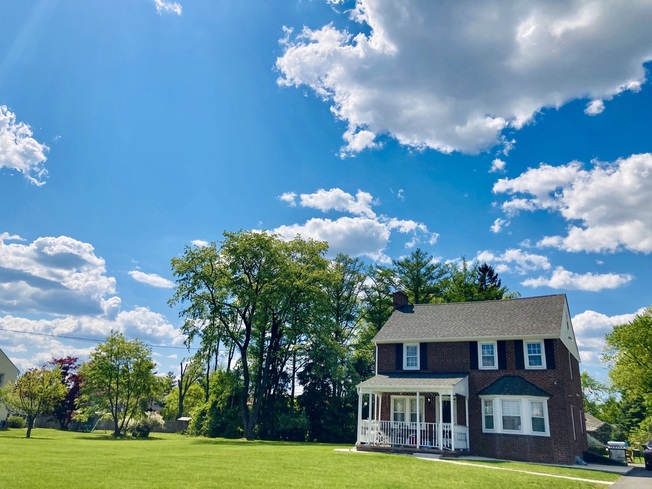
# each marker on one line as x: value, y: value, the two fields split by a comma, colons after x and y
x: 515, y: 415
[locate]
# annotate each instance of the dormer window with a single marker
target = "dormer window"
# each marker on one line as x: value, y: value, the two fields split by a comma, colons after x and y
x: 535, y: 357
x: 487, y: 357
x: 411, y: 356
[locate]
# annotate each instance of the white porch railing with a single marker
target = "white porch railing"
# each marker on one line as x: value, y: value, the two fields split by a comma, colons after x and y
x: 413, y: 435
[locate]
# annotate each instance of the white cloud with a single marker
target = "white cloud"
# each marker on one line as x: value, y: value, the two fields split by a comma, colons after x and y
x: 19, y: 151
x: 336, y: 199
x: 289, y: 198
x: 364, y: 234
x: 168, y: 7
x: 514, y: 261
x: 498, y: 225
x: 590, y: 329
x: 199, y: 243
x: 594, y: 107
x: 452, y: 75
x: 151, y: 279
x: 497, y: 166
x: 52, y: 275
x: 592, y: 282
x: 608, y: 208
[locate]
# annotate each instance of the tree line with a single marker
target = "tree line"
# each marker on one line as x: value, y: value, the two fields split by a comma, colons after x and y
x: 283, y: 336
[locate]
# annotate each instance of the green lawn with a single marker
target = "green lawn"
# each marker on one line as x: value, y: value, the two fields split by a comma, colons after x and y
x: 52, y: 459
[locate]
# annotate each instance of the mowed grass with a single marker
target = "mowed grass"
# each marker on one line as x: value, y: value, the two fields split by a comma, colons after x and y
x: 55, y: 459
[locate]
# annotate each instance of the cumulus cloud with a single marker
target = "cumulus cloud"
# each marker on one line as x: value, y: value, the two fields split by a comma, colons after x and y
x: 364, y: 234
x: 54, y: 275
x: 199, y: 243
x: 163, y: 7
x: 452, y: 75
x: 590, y: 329
x: 514, y: 261
x: 288, y: 197
x: 151, y: 279
x: 19, y: 151
x: 497, y: 166
x: 608, y: 207
x: 498, y: 225
x: 55, y: 289
x: 594, y: 107
x: 592, y: 282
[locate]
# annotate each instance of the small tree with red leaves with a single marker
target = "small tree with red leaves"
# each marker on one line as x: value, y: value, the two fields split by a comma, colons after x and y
x: 63, y: 411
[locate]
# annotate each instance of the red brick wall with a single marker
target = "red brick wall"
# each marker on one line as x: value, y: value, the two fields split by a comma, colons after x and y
x: 565, y: 394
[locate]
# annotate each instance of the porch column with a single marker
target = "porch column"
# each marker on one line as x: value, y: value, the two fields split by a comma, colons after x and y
x: 440, y: 422
x: 360, y: 394
x: 468, y: 431
x: 453, y: 419
x: 418, y: 422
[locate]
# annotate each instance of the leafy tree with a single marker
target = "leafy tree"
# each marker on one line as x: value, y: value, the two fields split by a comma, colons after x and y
x: 36, y: 391
x: 190, y: 373
x: 377, y: 298
x: 118, y: 379
x: 419, y: 276
x: 194, y: 397
x: 70, y: 378
x: 260, y: 291
x: 465, y: 283
x: 594, y: 393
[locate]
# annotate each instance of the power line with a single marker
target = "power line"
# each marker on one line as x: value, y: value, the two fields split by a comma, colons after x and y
x: 92, y: 340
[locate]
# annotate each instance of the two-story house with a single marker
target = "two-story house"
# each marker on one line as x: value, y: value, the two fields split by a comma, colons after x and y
x: 497, y: 378
x: 8, y: 373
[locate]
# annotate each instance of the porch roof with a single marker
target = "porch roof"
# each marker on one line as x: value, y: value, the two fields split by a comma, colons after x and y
x: 401, y: 382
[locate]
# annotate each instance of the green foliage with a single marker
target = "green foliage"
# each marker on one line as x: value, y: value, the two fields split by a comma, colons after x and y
x: 193, y: 398
x: 420, y: 277
x: 141, y: 428
x: 629, y: 354
x: 36, y: 391
x: 220, y: 415
x: 16, y: 422
x: 261, y: 291
x: 118, y: 379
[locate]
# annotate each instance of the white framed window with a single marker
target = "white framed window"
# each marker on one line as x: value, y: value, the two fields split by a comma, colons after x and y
x: 411, y: 356
x: 404, y: 409
x: 535, y: 355
x: 488, y: 415
x: 511, y: 414
x: 515, y: 415
x: 487, y: 356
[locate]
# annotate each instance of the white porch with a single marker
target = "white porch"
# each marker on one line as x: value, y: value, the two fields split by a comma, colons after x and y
x: 414, y: 412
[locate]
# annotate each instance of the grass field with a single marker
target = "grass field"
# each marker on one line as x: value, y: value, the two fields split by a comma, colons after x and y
x: 55, y: 459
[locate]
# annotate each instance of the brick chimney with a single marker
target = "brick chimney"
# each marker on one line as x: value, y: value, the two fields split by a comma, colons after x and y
x: 400, y: 299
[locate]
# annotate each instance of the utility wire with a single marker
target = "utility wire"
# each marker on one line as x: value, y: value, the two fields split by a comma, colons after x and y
x: 92, y: 340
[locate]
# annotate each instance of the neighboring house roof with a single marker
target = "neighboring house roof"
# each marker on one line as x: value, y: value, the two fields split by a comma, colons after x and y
x: 8, y: 368
x: 593, y: 423
x: 514, y: 318
x: 512, y: 385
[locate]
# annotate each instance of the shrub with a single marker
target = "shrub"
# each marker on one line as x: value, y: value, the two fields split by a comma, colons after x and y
x: 16, y: 422
x: 142, y: 427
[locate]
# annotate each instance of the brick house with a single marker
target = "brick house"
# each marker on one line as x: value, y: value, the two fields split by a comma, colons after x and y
x: 497, y: 378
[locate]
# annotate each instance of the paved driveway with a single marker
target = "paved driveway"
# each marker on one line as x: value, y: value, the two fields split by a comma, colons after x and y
x: 637, y: 478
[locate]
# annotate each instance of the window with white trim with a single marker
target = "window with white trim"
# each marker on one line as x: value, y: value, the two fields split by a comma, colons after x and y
x: 487, y: 355
x: 488, y: 415
x: 404, y: 409
x: 535, y: 357
x: 515, y: 415
x: 411, y: 356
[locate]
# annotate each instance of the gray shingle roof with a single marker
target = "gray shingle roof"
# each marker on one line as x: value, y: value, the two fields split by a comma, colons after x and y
x: 515, y: 318
x: 512, y: 385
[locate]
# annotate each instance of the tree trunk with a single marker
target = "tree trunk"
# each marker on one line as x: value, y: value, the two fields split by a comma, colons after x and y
x: 30, y: 425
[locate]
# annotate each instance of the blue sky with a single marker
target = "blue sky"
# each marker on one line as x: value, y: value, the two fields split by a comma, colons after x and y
x: 513, y: 134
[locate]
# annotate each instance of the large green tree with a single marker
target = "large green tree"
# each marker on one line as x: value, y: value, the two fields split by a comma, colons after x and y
x: 629, y: 354
x: 118, y: 380
x: 260, y: 291
x: 420, y: 277
x: 36, y: 391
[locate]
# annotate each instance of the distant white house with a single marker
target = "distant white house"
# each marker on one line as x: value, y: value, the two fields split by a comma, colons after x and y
x: 8, y: 373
